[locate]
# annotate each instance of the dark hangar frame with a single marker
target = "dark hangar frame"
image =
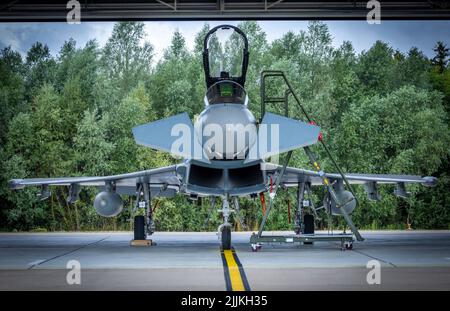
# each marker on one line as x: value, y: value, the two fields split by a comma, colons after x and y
x: 114, y: 10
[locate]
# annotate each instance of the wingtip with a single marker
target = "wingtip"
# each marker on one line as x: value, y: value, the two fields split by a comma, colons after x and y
x: 16, y: 184
x: 429, y: 181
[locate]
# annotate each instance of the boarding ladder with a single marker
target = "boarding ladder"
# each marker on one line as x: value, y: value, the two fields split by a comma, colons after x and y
x: 311, y: 155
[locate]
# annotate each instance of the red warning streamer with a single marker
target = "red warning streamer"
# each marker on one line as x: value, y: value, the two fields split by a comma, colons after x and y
x: 320, y: 133
x: 263, y: 202
x: 289, y: 210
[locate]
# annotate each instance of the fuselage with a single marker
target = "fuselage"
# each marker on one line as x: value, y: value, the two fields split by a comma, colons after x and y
x: 226, y: 130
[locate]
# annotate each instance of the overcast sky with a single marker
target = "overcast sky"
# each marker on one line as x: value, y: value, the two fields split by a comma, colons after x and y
x: 401, y: 35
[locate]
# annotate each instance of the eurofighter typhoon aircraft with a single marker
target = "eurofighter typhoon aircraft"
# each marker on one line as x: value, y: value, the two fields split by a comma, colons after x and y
x: 224, y: 154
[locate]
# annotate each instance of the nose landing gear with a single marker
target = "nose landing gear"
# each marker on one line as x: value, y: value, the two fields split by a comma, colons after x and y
x: 224, y: 230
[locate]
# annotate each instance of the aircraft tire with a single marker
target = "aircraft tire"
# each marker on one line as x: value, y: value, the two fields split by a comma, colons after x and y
x: 139, y: 228
x: 308, y: 220
x: 309, y: 224
x: 226, y: 237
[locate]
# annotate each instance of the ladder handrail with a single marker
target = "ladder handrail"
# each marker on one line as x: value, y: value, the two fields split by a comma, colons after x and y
x: 278, y: 73
x: 290, y: 90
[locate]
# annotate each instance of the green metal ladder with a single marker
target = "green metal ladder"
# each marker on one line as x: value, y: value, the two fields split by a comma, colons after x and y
x: 312, y: 157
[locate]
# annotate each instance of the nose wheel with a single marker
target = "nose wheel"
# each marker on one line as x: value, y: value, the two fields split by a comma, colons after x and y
x: 226, y: 237
x: 225, y: 228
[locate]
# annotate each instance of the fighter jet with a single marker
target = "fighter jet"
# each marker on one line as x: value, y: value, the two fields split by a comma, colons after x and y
x: 224, y: 154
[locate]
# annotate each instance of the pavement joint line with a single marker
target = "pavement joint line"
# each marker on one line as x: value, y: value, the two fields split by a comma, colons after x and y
x: 376, y: 258
x: 36, y: 262
x: 373, y: 257
x: 66, y: 253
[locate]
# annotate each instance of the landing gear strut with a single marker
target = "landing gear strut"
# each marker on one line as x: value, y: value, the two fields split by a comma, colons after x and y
x: 143, y: 225
x: 224, y: 229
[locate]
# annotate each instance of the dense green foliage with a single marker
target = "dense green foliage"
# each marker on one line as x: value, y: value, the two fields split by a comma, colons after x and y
x: 381, y: 111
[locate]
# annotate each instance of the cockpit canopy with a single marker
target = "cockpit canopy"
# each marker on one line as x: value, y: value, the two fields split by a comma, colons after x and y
x: 226, y: 92
x: 225, y: 55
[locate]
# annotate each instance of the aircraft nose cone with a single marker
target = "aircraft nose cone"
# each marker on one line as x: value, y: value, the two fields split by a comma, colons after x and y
x: 228, y: 131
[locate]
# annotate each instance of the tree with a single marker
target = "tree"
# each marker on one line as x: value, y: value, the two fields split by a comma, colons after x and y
x: 174, y: 84
x: 199, y: 39
x: 11, y: 89
x: 259, y: 60
x: 197, y: 64
x: 442, y: 53
x: 93, y: 150
x: 22, y: 212
x: 40, y: 66
x: 20, y: 209
x: 375, y: 69
x: 133, y: 110
x: 126, y: 59
x: 345, y: 87
x: 404, y: 132
x: 412, y: 133
x: 177, y: 47
x: 440, y: 76
x: 413, y: 69
x: 288, y: 46
x: 79, y: 65
x: 50, y: 154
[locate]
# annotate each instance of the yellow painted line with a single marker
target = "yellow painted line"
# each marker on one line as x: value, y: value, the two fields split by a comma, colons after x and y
x: 237, y: 283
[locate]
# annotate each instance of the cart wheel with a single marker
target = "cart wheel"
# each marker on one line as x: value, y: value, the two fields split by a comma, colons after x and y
x: 348, y: 245
x: 256, y: 247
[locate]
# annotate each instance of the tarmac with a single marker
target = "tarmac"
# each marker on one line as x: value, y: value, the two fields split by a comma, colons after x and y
x: 408, y: 260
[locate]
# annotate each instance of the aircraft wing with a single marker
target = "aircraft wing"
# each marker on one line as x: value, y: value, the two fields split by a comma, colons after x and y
x: 125, y: 183
x: 293, y: 176
x: 275, y: 136
x: 175, y: 135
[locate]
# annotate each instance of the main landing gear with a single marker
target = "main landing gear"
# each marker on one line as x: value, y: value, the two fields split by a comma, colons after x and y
x: 143, y: 225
